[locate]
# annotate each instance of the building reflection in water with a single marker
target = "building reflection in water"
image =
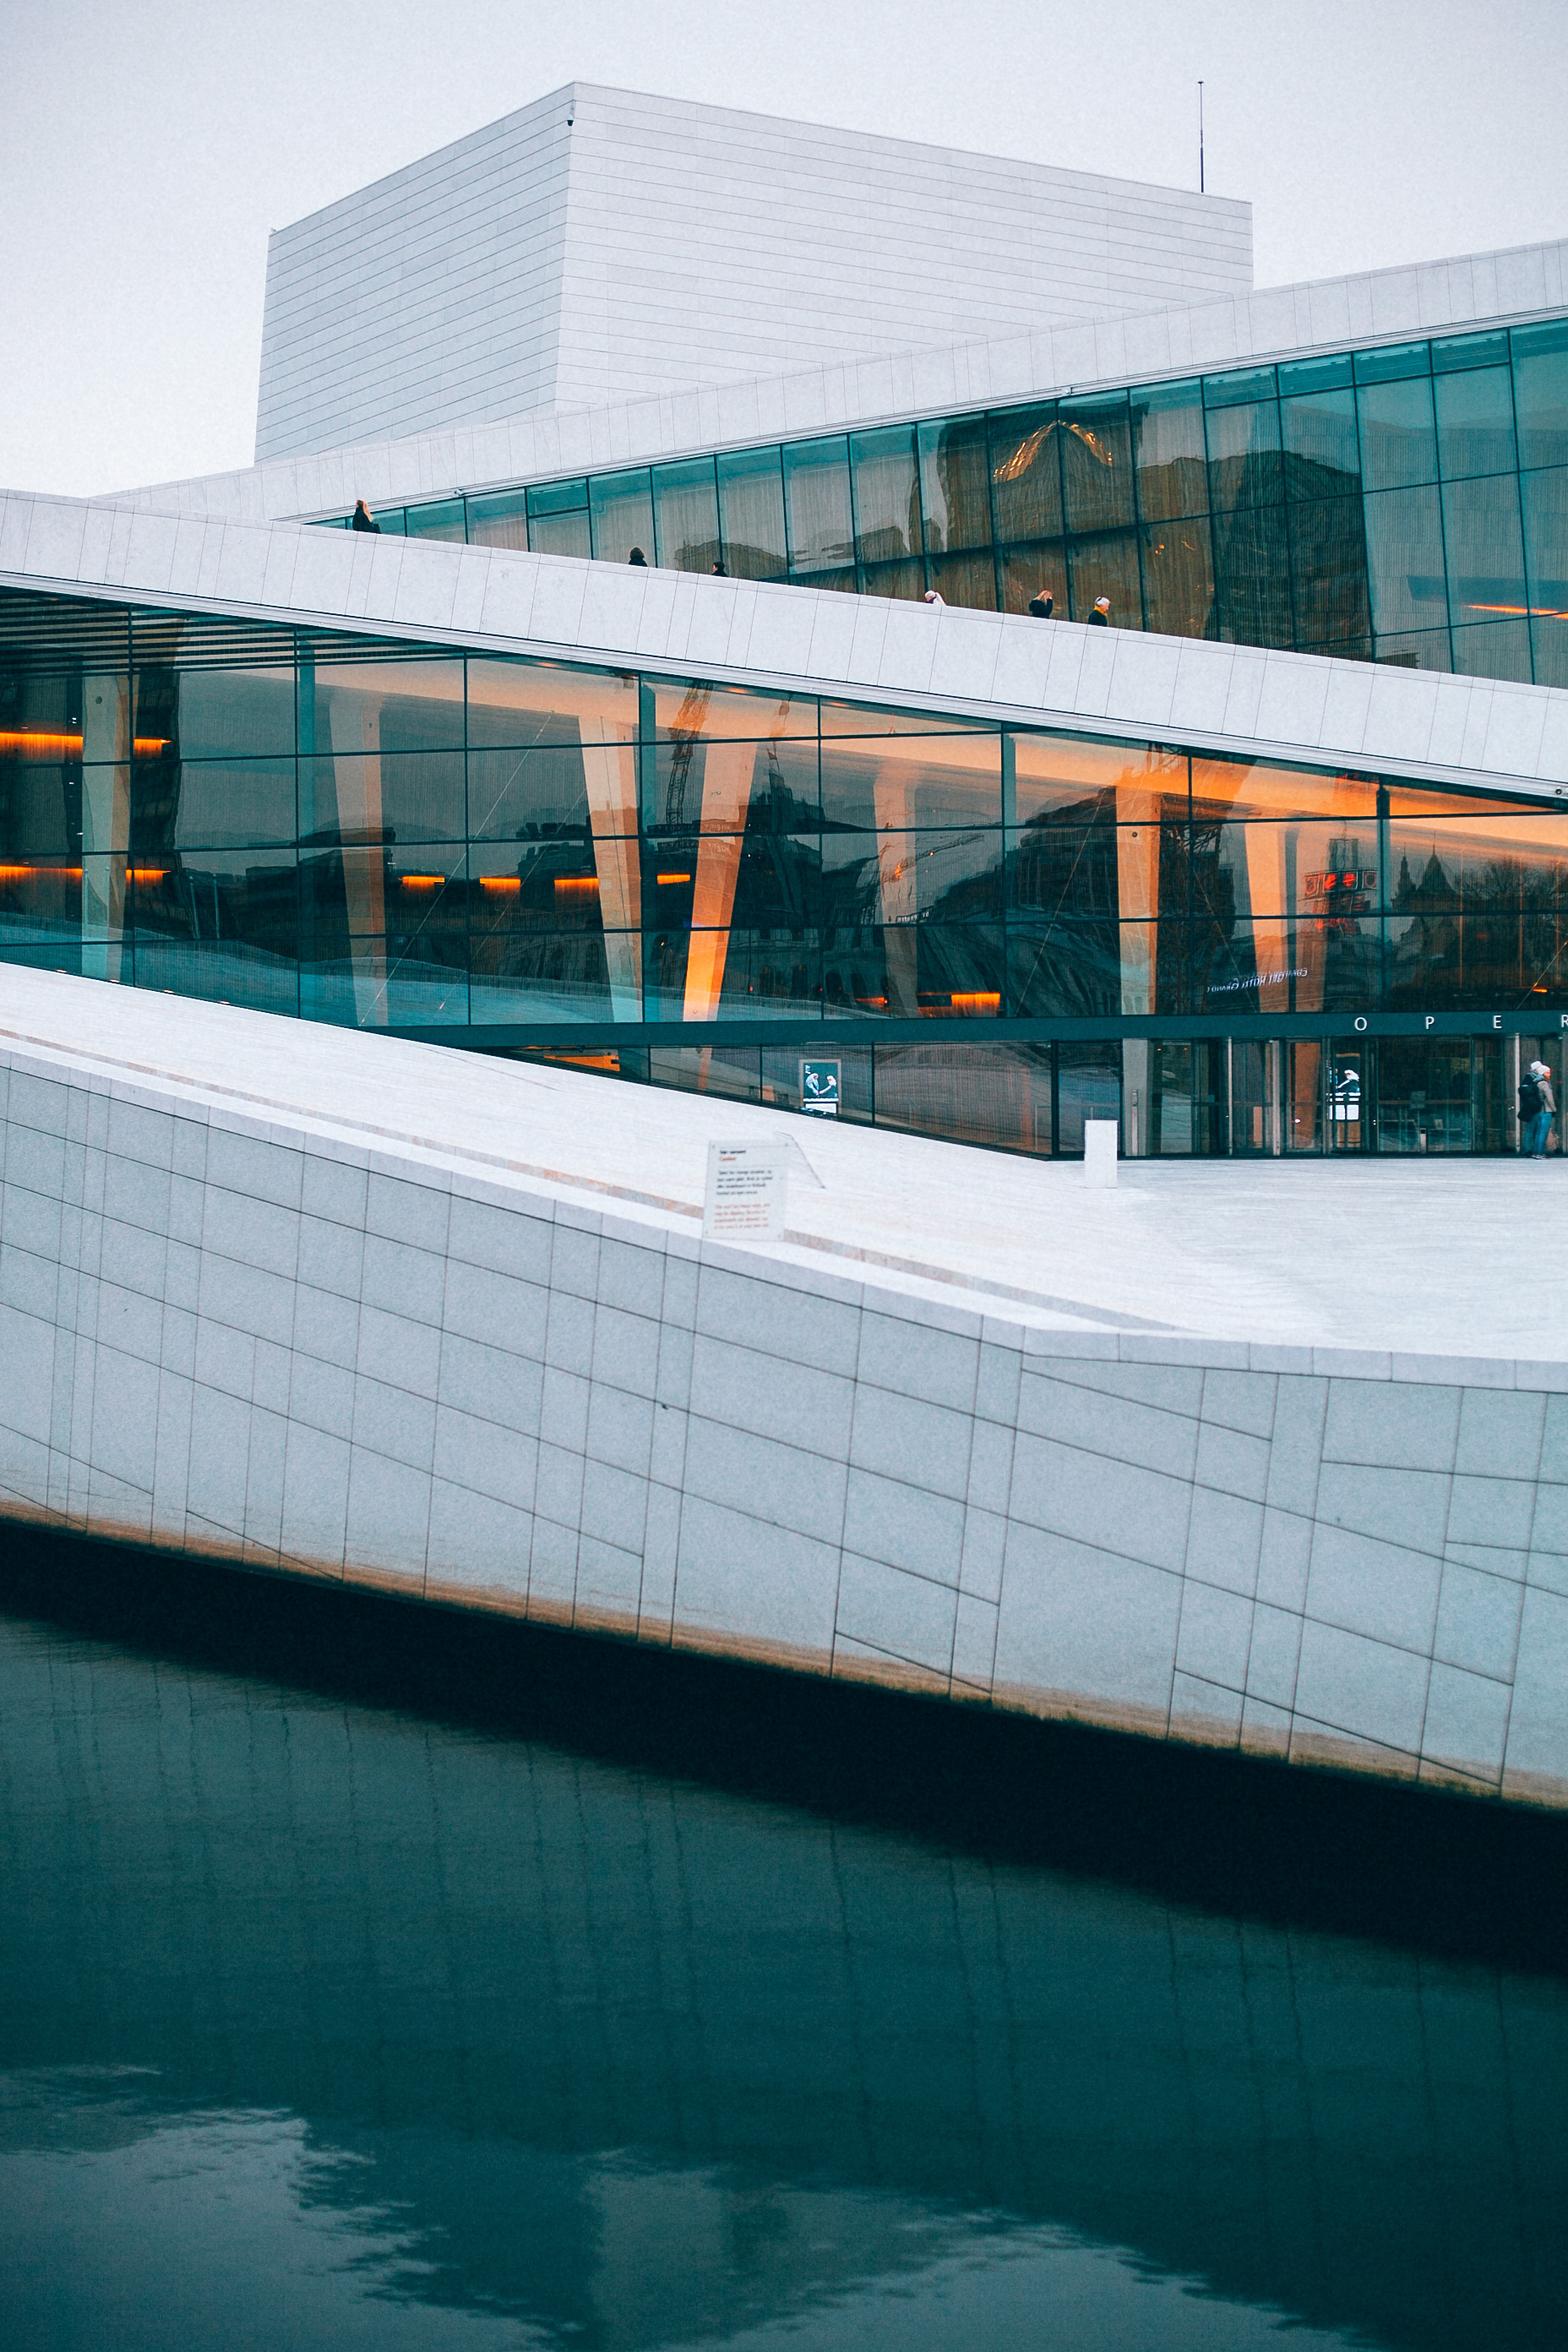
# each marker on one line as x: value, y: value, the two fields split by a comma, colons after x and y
x: 326, y: 2025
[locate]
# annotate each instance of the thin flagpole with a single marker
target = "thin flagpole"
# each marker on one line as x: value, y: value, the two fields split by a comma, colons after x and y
x: 1201, y: 190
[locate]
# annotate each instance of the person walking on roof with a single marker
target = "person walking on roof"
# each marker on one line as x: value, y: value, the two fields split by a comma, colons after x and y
x: 1536, y: 1109
x: 1042, y: 605
x: 932, y: 598
x: 362, y: 517
x: 638, y: 557
x: 1100, y: 617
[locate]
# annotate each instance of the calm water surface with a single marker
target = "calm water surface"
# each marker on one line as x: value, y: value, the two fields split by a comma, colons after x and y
x: 327, y: 2023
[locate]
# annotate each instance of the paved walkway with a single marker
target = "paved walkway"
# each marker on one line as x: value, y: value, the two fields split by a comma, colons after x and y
x: 1443, y: 1258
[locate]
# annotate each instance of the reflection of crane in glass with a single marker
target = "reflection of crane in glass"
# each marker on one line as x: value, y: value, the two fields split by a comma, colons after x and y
x: 685, y: 734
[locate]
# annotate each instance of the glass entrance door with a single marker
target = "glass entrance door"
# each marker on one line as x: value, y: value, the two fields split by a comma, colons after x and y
x: 1347, y: 1097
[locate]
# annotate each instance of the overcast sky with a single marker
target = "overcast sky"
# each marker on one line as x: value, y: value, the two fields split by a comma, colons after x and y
x: 149, y: 145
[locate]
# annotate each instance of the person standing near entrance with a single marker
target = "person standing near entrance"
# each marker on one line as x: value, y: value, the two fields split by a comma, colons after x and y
x: 1536, y: 1109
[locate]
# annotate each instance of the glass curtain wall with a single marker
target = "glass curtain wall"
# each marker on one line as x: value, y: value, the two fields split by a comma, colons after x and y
x: 397, y: 837
x: 1407, y: 505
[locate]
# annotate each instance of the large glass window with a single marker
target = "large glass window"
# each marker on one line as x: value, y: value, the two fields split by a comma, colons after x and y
x: 816, y: 508
x: 620, y: 511
x: 685, y: 515
x: 1168, y: 440
x: 752, y: 514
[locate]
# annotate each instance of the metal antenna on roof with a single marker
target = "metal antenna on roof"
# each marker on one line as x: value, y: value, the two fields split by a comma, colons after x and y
x: 1200, y: 139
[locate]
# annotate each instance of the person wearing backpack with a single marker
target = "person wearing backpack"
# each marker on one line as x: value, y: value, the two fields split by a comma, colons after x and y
x: 1536, y: 1109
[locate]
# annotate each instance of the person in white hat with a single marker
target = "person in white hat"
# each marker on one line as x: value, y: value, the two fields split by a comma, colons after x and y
x: 1536, y: 1109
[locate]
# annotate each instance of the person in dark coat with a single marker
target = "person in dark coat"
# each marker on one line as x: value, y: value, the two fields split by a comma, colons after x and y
x: 719, y: 570
x: 1043, y: 605
x: 362, y: 517
x: 1100, y: 617
x: 638, y: 557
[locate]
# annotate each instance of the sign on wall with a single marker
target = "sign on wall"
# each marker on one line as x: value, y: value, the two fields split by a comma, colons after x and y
x: 819, y: 1088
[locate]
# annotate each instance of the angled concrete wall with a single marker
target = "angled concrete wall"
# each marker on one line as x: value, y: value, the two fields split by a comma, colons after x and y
x: 318, y: 1351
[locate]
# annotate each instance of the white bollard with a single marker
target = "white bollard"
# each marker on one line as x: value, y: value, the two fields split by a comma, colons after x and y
x: 1099, y: 1150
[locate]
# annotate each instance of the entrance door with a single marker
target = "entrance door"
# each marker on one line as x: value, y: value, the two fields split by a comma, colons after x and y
x: 1347, y: 1097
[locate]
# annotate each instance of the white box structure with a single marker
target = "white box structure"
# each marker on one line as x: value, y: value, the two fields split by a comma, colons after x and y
x: 600, y: 245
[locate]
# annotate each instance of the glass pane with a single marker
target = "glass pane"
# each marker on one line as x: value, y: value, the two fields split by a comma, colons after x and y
x: 1066, y: 780
x: 40, y: 806
x: 1089, y: 1085
x: 1484, y: 551
x: 691, y: 785
x: 1470, y: 352
x: 1474, y: 422
x: 1239, y: 384
x: 1422, y: 649
x: 1063, y: 966
x: 965, y: 580
x: 211, y: 803
x: 40, y: 913
x: 1178, y: 579
x: 560, y: 534
x: 500, y: 520
x: 391, y: 796
x: 546, y: 887
x: 1548, y: 642
x: 381, y: 705
x: 997, y: 1094
x: 1318, y: 434
x: 1106, y: 566
x: 887, y: 495
x: 1230, y: 791
x: 909, y: 970
x: 1025, y: 476
x: 1252, y: 575
x: 723, y: 975
x: 1097, y: 462
x: 864, y: 718
x: 683, y: 707
x: 686, y: 516
x: 558, y: 498
x: 1327, y: 375
x: 817, y: 502
x: 220, y: 927
x: 911, y: 877
x: 955, y: 488
x: 1327, y: 572
x: 207, y: 714
x: 523, y: 975
x: 540, y: 795
x: 751, y: 514
x: 1405, y: 559
x: 620, y: 511
x: 1499, y: 650
x: 1244, y: 456
x: 441, y: 519
x: 1540, y: 393
x: 526, y: 702
x: 1395, y: 360
x: 1398, y: 442
x: 1039, y: 571
x: 906, y: 580
x: 1545, y: 505
x: 877, y: 784
x: 1168, y: 436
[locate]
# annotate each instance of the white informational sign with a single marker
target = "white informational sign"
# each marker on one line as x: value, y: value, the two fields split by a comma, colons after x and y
x: 1099, y: 1137
x: 745, y: 1196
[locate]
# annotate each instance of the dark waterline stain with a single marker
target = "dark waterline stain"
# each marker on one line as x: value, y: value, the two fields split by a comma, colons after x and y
x: 372, y: 1974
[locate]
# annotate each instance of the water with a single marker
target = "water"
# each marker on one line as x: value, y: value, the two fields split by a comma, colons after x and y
x: 341, y: 2006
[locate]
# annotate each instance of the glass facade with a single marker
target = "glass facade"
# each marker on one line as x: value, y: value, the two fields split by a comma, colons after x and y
x: 993, y: 933
x: 1402, y: 504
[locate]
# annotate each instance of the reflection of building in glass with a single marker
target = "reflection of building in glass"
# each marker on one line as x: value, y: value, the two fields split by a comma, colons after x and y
x: 480, y: 778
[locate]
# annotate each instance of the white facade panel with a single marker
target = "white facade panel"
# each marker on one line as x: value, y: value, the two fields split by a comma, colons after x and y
x: 599, y: 245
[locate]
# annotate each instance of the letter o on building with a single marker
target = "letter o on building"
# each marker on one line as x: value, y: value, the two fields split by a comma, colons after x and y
x: 1361, y: 1021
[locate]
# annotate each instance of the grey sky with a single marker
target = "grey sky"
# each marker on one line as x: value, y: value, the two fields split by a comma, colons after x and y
x: 149, y: 145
